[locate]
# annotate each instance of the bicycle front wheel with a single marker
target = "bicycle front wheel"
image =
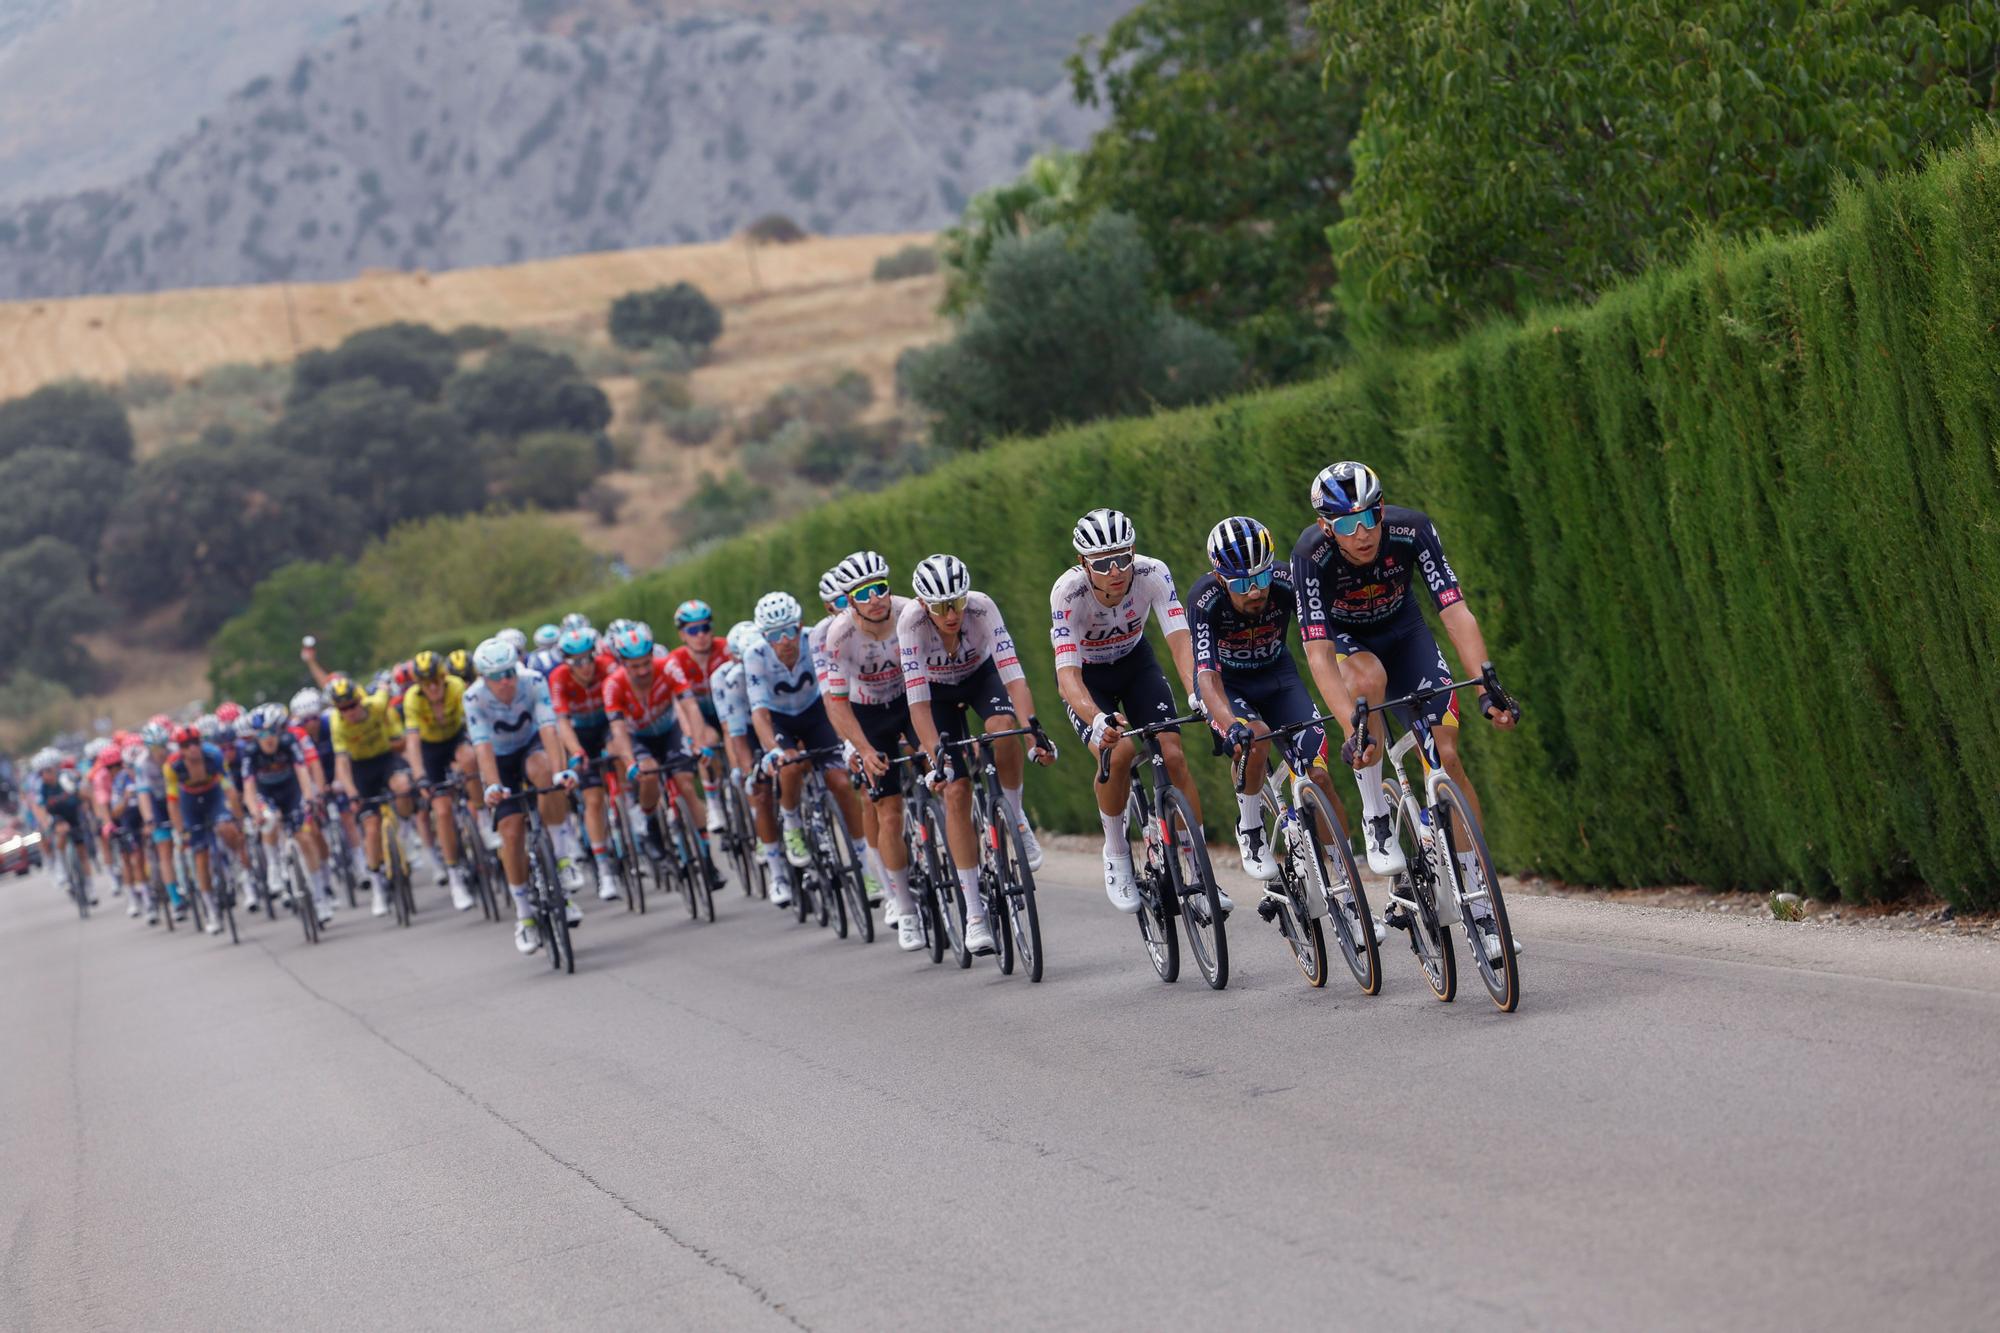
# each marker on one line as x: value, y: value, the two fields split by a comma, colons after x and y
x: 1194, y: 883
x: 1430, y: 936
x: 1337, y: 879
x: 848, y: 870
x: 1497, y: 964
x: 1157, y: 903
x: 950, y: 899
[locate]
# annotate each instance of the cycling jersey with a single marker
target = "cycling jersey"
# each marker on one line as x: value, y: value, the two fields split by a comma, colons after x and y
x: 279, y: 768
x: 152, y: 776
x: 1233, y: 641
x: 860, y: 668
x: 317, y: 733
x: 1373, y: 599
x: 692, y: 677
x: 982, y: 638
x: 1085, y: 631
x: 815, y: 641
x: 544, y: 661
x: 582, y: 703
x: 513, y: 725
x: 437, y: 722
x: 654, y: 714
x: 101, y: 775
x: 375, y: 733
x: 183, y: 785
x: 732, y: 699
x: 776, y: 688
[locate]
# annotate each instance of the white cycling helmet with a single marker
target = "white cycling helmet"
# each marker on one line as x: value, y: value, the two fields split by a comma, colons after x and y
x: 514, y: 638
x: 743, y: 636
x: 859, y: 568
x: 43, y: 761
x: 154, y: 734
x: 94, y: 749
x: 135, y: 755
x: 940, y: 578
x: 307, y: 703
x: 575, y: 620
x: 1102, y: 530
x: 777, y: 610
x: 829, y: 587
x: 496, y: 657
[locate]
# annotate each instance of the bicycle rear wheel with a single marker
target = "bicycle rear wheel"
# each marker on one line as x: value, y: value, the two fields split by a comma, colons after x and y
x: 701, y: 873
x: 1157, y: 903
x: 554, y: 907
x: 854, y: 894
x: 1338, y: 880
x: 1501, y: 974
x: 924, y: 873
x: 299, y: 890
x: 1193, y: 881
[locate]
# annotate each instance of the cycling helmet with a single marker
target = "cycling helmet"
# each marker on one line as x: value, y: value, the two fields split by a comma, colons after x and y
x: 547, y: 636
x: 243, y: 727
x: 267, y: 717
x: 93, y: 748
x: 860, y: 568
x: 135, y: 755
x: 777, y: 610
x: 829, y: 588
x: 228, y: 711
x: 153, y: 733
x: 405, y: 674
x: 1345, y: 488
x: 111, y: 755
x: 307, y: 703
x: 692, y: 612
x: 342, y: 692
x: 743, y: 636
x: 460, y: 664
x: 578, y: 641
x: 496, y: 659
x: 1102, y: 530
x: 616, y: 627
x: 43, y: 761
x: 209, y: 726
x: 634, y: 644
x: 940, y: 578
x: 575, y: 620
x: 513, y: 637
x: 1240, y: 547
x: 187, y: 735
x: 427, y: 665
x: 161, y: 720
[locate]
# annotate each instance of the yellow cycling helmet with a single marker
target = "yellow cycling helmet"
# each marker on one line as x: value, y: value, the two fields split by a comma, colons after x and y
x: 460, y: 665
x: 428, y: 665
x: 342, y: 692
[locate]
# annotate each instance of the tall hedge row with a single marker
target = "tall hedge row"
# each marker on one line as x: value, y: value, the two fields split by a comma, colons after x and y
x: 1733, y: 533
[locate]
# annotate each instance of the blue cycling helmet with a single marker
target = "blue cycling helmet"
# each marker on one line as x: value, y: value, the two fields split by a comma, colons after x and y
x: 693, y: 612
x: 578, y: 642
x: 547, y: 636
x: 1240, y: 548
x: 1345, y: 488
x: 635, y: 643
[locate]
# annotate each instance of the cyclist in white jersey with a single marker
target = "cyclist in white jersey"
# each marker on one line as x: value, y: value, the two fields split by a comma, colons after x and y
x: 957, y: 655
x: 740, y: 744
x: 865, y: 699
x: 1108, y: 675
x: 872, y: 874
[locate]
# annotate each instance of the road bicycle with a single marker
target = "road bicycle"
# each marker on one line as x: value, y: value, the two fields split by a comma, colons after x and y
x: 833, y: 875
x: 739, y: 837
x: 328, y: 811
x: 298, y: 884
x: 1006, y: 884
x: 933, y: 881
x: 395, y: 869
x: 1432, y: 890
x: 475, y: 859
x: 1174, y: 876
x: 630, y: 865
x: 547, y: 897
x: 76, y: 880
x: 1317, y: 878
x: 688, y: 858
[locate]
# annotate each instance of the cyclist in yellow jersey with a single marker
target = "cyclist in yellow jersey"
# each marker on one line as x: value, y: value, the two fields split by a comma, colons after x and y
x: 367, y: 763
x: 434, y: 744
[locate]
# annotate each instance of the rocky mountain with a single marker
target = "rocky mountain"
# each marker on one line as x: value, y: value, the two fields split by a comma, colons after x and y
x: 430, y: 135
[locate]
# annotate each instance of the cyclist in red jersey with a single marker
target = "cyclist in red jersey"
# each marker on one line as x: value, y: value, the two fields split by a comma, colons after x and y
x: 691, y: 667
x: 576, y: 688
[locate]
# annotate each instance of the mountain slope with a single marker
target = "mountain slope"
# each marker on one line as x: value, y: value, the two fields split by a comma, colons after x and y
x: 425, y: 137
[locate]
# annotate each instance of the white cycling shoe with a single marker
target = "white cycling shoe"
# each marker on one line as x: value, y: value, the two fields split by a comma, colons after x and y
x: 527, y: 937
x: 1119, y: 885
x: 781, y: 888
x: 1257, y: 862
x: 1030, y: 844
x: 607, y: 887
x: 461, y: 897
x: 378, y: 903
x: 978, y: 936
x: 1385, y: 852
x: 909, y: 934
x: 572, y: 914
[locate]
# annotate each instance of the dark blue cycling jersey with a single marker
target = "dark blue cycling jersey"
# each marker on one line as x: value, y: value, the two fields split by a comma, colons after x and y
x: 1371, y: 601
x: 1233, y: 641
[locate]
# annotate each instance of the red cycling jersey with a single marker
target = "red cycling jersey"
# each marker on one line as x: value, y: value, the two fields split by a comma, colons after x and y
x: 650, y: 716
x: 687, y: 674
x: 582, y: 704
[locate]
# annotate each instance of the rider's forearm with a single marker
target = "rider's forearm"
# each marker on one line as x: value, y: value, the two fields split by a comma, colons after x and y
x: 760, y: 719
x: 1023, y: 700
x: 1323, y: 659
x: 925, y: 726
x: 343, y: 772
x: 845, y: 725
x: 1463, y: 627
x: 1069, y: 684
x: 1220, y: 712
x: 572, y: 747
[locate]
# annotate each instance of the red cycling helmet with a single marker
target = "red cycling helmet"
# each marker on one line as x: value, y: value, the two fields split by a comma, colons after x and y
x: 406, y: 674
x: 187, y: 734
x: 227, y: 712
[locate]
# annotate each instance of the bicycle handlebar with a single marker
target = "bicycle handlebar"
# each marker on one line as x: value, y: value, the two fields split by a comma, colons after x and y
x: 1138, y: 734
x: 1488, y: 679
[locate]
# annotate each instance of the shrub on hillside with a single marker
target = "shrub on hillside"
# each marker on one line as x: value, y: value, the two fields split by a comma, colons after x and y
x: 54, y: 493
x: 144, y: 388
x: 825, y: 404
x: 476, y: 567
x: 45, y: 602
x: 912, y: 261
x: 521, y: 389
x: 775, y: 229
x: 680, y: 312
x: 255, y: 655
x: 393, y: 457
x: 722, y: 506
x: 660, y: 394
x: 547, y: 470
x: 476, y: 337
x: 408, y: 356
x: 693, y: 426
x: 71, y: 416
x: 604, y: 500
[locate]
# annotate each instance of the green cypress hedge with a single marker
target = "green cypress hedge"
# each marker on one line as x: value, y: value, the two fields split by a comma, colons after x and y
x: 1733, y: 534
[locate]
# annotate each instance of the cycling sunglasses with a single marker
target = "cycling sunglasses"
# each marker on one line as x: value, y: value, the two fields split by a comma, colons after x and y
x: 868, y: 592
x: 839, y: 602
x: 946, y: 607
x: 1349, y: 524
x: 782, y: 635
x: 1255, y: 581
x: 1110, y: 564
x: 699, y: 627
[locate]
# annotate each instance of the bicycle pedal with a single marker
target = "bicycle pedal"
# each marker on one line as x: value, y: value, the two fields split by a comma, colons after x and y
x: 1267, y: 909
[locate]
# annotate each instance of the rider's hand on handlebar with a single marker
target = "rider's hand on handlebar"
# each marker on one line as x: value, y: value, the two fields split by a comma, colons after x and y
x: 495, y: 794
x: 1239, y: 736
x: 1103, y: 731
x: 566, y: 777
x: 874, y: 763
x: 1360, y: 749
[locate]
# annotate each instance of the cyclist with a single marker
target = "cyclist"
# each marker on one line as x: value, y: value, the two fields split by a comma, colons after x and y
x: 279, y: 774
x: 743, y: 750
x: 150, y: 769
x: 101, y: 761
x: 958, y: 655
x: 640, y: 700
x: 129, y: 831
x: 367, y: 765
x: 512, y: 726
x: 57, y: 795
x: 547, y: 655
x: 1240, y: 613
x: 790, y: 718
x: 867, y: 704
x: 199, y: 774
x: 576, y: 688
x: 689, y: 669
x: 516, y: 640
x: 1108, y: 676
x: 1365, y: 636
x: 835, y: 602
x: 434, y: 744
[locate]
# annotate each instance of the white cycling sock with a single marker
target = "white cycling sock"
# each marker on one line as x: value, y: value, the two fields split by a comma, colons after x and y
x: 899, y: 889
x: 1115, y: 843
x: 1250, y: 810
x: 564, y: 838
x: 523, y: 909
x: 789, y: 818
x: 975, y: 906
x: 1373, y: 803
x: 1012, y: 795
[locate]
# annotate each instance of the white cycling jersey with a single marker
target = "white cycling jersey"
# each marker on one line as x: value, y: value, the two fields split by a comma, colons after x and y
x: 816, y: 647
x: 860, y: 668
x: 776, y: 688
x: 1086, y: 632
x: 731, y: 693
x: 981, y: 635
x: 512, y: 726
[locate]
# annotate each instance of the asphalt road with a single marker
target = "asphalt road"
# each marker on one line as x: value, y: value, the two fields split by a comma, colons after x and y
x: 1690, y: 1122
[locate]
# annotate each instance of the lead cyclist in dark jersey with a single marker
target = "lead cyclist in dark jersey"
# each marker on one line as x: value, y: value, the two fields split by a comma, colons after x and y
x: 1365, y: 636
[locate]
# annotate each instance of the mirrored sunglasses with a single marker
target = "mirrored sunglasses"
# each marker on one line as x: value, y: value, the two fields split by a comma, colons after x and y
x: 1110, y: 564
x: 1255, y: 581
x: 868, y: 592
x: 1349, y: 524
